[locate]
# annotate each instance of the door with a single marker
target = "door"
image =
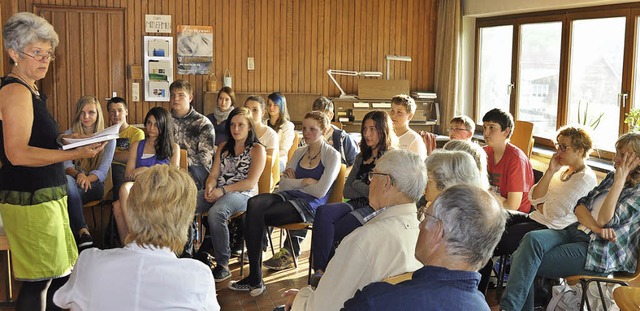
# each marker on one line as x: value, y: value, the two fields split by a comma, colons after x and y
x: 90, y: 59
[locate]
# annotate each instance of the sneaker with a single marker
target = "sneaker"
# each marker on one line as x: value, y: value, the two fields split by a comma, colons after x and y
x: 280, y: 261
x: 85, y: 241
x: 220, y: 273
x: 243, y: 286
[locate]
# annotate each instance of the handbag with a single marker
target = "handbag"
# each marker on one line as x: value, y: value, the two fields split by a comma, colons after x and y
x: 226, y: 81
x: 568, y: 297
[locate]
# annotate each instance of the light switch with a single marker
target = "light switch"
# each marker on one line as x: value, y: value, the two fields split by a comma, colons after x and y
x: 251, y: 63
x: 135, y: 91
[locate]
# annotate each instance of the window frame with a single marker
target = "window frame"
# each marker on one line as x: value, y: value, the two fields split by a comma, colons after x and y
x: 631, y: 11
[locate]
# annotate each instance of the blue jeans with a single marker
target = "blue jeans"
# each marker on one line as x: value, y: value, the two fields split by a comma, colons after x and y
x: 76, y: 197
x: 547, y: 253
x: 219, y: 213
x: 199, y: 175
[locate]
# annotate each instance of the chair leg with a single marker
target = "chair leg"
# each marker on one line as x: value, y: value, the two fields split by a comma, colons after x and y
x: 310, y: 265
x: 242, y: 259
x: 500, y: 275
x: 293, y: 253
x: 9, y: 283
x: 93, y: 213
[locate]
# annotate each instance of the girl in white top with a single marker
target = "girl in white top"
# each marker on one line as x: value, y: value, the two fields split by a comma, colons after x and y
x: 267, y: 136
x: 279, y: 122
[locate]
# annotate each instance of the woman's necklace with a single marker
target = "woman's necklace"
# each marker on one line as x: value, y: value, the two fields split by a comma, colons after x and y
x: 310, y: 158
x: 566, y: 175
x: 33, y: 88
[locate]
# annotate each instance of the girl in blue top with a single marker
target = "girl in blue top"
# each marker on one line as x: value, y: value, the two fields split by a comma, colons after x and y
x: 157, y: 148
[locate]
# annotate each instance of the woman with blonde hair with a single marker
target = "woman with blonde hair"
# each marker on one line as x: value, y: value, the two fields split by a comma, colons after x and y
x: 86, y: 176
x: 146, y: 273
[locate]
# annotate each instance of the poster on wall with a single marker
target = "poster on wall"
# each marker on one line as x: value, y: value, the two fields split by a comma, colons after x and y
x: 195, y: 49
x: 158, y: 67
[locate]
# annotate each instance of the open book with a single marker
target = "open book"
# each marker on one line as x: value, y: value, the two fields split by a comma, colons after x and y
x: 109, y: 133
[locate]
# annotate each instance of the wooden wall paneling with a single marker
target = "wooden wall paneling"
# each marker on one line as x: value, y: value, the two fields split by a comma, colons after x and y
x: 250, y: 26
x: 264, y: 47
x: 241, y: 45
x: 283, y: 50
x: 295, y: 46
x: 273, y: 37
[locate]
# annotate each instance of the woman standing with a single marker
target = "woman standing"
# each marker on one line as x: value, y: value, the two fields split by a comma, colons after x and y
x: 334, y: 221
x: 304, y: 186
x: 224, y: 104
x: 32, y: 182
x: 85, y: 177
x: 279, y: 122
x: 158, y: 148
x: 233, y: 180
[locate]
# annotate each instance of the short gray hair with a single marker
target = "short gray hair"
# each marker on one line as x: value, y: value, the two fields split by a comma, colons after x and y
x: 24, y: 28
x: 407, y: 172
x: 478, y: 154
x: 472, y: 221
x: 450, y: 168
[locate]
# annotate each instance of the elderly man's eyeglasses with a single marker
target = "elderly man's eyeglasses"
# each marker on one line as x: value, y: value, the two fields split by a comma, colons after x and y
x: 37, y: 56
x: 455, y: 129
x: 561, y: 147
x: 370, y: 175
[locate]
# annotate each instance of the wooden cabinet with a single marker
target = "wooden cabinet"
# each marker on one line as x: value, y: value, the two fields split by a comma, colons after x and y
x: 427, y: 112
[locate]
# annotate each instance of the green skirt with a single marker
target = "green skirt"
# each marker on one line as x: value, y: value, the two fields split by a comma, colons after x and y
x: 37, y: 227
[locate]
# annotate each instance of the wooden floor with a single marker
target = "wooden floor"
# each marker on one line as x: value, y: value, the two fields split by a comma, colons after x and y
x: 277, y: 283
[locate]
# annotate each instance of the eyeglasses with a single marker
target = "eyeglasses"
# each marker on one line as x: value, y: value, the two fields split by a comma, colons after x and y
x: 561, y: 147
x: 453, y: 129
x: 422, y: 215
x: 370, y: 175
x: 40, y: 57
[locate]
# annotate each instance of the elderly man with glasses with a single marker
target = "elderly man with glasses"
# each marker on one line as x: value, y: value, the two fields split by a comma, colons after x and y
x: 457, y: 236
x: 384, y: 246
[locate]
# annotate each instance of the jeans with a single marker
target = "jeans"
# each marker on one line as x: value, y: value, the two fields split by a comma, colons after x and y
x: 547, y: 253
x: 517, y: 226
x: 76, y: 197
x: 219, y: 213
x: 199, y: 175
x: 117, y: 178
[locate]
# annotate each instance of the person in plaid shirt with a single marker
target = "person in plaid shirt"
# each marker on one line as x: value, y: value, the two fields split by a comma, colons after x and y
x: 604, y: 240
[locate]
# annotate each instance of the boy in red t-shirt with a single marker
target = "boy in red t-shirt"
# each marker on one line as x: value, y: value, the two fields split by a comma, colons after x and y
x: 510, y: 172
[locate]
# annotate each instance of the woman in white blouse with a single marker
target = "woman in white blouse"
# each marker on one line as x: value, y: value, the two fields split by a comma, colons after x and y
x: 554, y: 197
x: 279, y: 122
x: 266, y: 135
x: 146, y: 272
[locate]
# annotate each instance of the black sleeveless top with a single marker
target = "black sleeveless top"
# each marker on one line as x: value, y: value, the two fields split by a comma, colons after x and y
x: 44, y: 134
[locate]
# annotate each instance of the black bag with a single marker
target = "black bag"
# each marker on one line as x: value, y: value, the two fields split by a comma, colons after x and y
x: 111, y: 237
x: 543, y: 290
x: 189, y: 247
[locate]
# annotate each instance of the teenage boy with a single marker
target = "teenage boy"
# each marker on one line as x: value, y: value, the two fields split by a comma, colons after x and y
x: 336, y: 137
x: 510, y: 172
x: 118, y: 113
x: 460, y: 128
x: 402, y: 109
x: 193, y: 131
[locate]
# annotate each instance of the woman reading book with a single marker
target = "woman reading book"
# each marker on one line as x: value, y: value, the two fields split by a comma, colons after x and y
x: 85, y: 177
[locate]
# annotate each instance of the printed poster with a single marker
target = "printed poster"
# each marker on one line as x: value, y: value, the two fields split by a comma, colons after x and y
x: 195, y: 49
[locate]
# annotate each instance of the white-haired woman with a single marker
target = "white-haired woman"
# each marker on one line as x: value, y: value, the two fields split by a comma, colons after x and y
x: 146, y: 273
x: 33, y: 201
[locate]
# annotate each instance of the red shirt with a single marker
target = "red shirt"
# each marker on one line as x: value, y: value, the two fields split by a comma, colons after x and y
x: 512, y: 174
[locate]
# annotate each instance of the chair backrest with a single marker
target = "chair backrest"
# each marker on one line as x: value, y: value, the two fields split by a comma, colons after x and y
x: 265, y: 184
x: 523, y: 136
x: 275, y: 169
x: 184, y: 160
x: 337, y: 124
x: 398, y: 278
x: 294, y: 146
x: 338, y: 186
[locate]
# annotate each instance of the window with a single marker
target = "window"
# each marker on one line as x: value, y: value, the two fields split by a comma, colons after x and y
x: 569, y: 67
